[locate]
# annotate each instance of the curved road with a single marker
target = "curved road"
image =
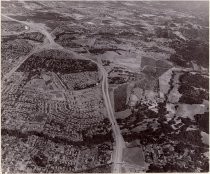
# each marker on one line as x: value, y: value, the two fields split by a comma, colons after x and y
x: 49, y: 43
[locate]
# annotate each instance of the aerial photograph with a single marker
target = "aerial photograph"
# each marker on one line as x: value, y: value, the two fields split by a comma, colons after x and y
x: 104, y: 86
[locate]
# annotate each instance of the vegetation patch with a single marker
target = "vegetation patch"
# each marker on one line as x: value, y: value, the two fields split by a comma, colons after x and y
x: 120, y: 97
x: 34, y: 36
x: 58, y: 62
x: 203, y: 121
x: 133, y: 156
x: 190, y: 51
x: 194, y: 88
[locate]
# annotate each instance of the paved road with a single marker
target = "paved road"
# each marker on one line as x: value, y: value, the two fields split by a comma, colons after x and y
x: 119, y: 141
x: 50, y: 44
x: 48, y: 41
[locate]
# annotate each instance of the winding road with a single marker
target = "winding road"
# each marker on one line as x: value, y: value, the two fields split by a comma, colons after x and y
x: 49, y: 43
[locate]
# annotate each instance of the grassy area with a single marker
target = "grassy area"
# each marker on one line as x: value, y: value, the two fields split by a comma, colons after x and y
x: 120, y: 96
x: 133, y: 156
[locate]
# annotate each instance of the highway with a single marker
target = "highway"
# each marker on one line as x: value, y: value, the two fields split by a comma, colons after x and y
x: 50, y: 44
x: 119, y: 141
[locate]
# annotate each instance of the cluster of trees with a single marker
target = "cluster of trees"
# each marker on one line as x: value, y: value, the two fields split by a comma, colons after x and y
x: 191, y: 95
x: 192, y: 50
x: 84, y: 86
x: 57, y: 64
x: 67, y: 39
x: 117, y: 80
x: 202, y: 121
x: 189, y: 88
x: 102, y: 50
x: 163, y: 32
x: 196, y: 80
x: 34, y: 36
x: 98, y: 134
x: 164, y: 135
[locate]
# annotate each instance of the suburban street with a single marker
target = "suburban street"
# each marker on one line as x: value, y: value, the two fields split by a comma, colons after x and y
x: 49, y: 43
